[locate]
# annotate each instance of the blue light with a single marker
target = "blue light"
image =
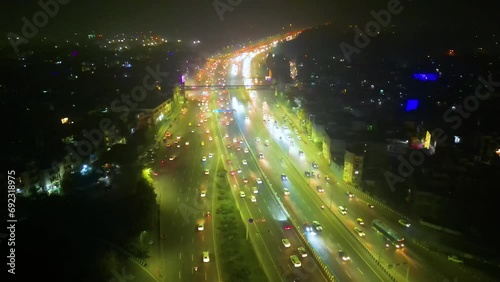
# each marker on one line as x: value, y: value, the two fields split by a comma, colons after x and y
x: 426, y: 76
x: 411, y: 105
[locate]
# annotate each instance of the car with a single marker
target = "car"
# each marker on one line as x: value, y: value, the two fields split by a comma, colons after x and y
x: 286, y: 243
x: 246, y: 150
x: 245, y: 180
x: 207, y: 131
x: 187, y: 143
x: 207, y: 214
x: 169, y: 145
x: 210, y: 138
x: 201, y: 226
x: 206, y: 256
x: 203, y: 159
x: 301, y: 153
x: 207, y: 171
x: 308, y: 228
x: 261, y: 156
x: 295, y: 260
x: 235, y: 140
x: 314, y: 165
x: 245, y: 162
x: 172, y: 157
x: 360, y: 221
x: 227, y: 135
x: 203, y: 194
x: 233, y: 172
x: 257, y: 139
x: 284, y: 177
x: 255, y: 190
x: 286, y: 192
x: 404, y: 223
x: 176, y: 141
x: 239, y: 170
x: 259, y: 181
x: 247, y: 117
x: 349, y: 194
x: 152, y: 161
x: 307, y: 173
x: 210, y: 155
x: 342, y: 210
x: 253, y: 199
x: 455, y: 259
x: 317, y: 226
x: 242, y: 194
x: 320, y: 189
x: 359, y: 231
x: 302, y: 252
x: 343, y: 255
x: 266, y: 143
x: 327, y: 178
x: 287, y: 226
x: 229, y: 162
x: 370, y: 206
x: 178, y: 137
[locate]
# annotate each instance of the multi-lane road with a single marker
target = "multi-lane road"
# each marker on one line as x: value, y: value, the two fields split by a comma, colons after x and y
x: 257, y: 154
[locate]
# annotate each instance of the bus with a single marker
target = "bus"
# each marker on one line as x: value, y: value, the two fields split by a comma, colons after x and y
x: 391, y: 235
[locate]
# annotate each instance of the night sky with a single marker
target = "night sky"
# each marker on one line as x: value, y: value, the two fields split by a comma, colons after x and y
x: 198, y: 19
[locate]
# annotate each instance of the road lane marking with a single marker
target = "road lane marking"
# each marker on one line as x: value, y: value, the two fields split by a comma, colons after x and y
x: 180, y: 255
x: 361, y: 271
x: 182, y: 238
x: 329, y: 249
x: 179, y: 275
x: 348, y: 274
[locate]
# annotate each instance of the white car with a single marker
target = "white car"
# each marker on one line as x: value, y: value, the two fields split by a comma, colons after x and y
x: 203, y: 194
x: 302, y: 252
x: 317, y: 226
x: 286, y: 243
x: 261, y: 156
x: 172, y: 157
x: 253, y: 199
x: 210, y: 138
x: 257, y: 139
x: 210, y: 155
x: 295, y: 260
x: 244, y: 162
x: 342, y: 210
x: 359, y: 231
x: 187, y: 143
x: 242, y: 194
x: 207, y: 171
x: 246, y: 150
x: 344, y: 256
x: 201, y: 226
x: 255, y: 190
x: 404, y: 223
x: 286, y: 191
x: 259, y: 181
x: 227, y: 135
x: 206, y: 256
x: 204, y: 159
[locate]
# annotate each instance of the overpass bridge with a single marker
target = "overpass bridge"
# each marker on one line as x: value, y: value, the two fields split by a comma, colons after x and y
x: 232, y: 86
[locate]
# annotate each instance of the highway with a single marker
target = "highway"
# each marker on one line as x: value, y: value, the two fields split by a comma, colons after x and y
x: 412, y: 261
x: 179, y: 184
x: 250, y: 147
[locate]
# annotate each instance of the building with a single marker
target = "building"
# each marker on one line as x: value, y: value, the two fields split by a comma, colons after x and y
x: 353, y: 166
x: 41, y: 177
